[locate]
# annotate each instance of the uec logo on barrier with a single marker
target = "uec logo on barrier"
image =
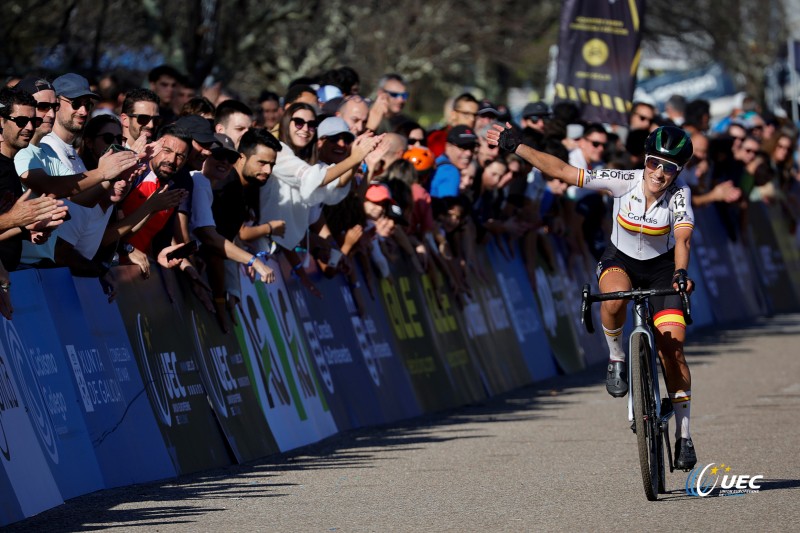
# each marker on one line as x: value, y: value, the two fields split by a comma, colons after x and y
x: 704, y: 479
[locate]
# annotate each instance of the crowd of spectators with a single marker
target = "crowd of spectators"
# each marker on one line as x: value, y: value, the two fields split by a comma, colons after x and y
x: 93, y: 174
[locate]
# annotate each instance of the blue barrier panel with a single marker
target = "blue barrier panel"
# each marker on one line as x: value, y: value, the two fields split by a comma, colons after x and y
x: 27, y: 486
x: 10, y: 511
x: 225, y: 378
x: 44, y: 374
x: 279, y: 366
x: 557, y: 311
x: 164, y: 352
x: 518, y: 296
x: 709, y: 247
x: 121, y: 423
x: 364, y: 381
x: 702, y: 312
x: 504, y: 351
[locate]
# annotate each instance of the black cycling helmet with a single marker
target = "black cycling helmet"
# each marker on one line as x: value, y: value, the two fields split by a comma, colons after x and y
x: 670, y: 143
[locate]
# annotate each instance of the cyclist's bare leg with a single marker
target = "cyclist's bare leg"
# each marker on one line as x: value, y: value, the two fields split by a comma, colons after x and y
x: 670, y: 339
x: 612, y: 312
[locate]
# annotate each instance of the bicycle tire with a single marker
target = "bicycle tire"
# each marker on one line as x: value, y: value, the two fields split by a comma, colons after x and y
x: 648, y: 438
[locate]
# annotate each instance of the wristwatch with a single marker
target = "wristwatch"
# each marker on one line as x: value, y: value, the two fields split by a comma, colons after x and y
x: 127, y: 249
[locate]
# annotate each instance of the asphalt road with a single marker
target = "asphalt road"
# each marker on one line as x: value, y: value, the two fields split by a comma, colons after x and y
x: 552, y: 457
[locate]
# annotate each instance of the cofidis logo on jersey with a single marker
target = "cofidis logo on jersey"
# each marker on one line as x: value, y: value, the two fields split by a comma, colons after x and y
x: 703, y: 480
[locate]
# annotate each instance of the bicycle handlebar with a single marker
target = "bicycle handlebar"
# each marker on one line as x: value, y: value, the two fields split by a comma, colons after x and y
x: 587, y: 299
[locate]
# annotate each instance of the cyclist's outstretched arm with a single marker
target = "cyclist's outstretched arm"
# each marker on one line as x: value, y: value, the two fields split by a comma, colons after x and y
x: 551, y: 166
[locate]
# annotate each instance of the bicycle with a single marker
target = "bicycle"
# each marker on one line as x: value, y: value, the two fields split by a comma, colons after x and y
x: 647, y: 410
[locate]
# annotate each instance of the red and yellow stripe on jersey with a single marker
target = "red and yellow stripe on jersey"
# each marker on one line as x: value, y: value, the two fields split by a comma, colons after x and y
x: 641, y: 228
x: 669, y: 317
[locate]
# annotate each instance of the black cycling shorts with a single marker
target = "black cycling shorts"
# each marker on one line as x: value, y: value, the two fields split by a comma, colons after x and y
x: 655, y: 273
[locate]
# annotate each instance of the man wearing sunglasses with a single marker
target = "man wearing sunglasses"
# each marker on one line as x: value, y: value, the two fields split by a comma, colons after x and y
x: 18, y: 121
x: 140, y: 115
x: 653, y: 223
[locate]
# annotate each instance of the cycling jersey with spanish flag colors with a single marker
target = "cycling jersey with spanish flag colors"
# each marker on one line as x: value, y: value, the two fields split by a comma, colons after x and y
x: 640, y: 233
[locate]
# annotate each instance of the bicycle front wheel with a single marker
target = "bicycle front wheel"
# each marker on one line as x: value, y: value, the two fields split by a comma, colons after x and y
x: 648, y: 438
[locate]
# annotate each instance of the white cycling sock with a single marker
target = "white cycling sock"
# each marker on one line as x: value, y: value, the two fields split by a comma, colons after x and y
x: 682, y: 404
x: 614, y: 340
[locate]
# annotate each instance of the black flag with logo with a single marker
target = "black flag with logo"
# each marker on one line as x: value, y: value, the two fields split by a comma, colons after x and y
x: 598, y: 54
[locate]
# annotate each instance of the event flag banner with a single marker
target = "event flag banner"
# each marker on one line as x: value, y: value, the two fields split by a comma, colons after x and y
x: 121, y: 423
x: 44, y: 374
x: 165, y: 353
x: 279, y: 365
x: 598, y: 55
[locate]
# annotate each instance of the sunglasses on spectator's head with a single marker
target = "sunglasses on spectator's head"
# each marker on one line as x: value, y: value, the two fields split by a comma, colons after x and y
x: 668, y: 167
x: 645, y: 118
x: 78, y: 103
x: 596, y: 144
x: 403, y: 95
x: 299, y: 123
x: 21, y: 122
x: 221, y: 154
x: 110, y: 138
x: 44, y: 107
x: 144, y: 120
x: 416, y: 140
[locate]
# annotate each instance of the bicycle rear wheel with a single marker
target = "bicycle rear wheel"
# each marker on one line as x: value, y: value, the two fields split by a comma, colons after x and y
x: 648, y: 437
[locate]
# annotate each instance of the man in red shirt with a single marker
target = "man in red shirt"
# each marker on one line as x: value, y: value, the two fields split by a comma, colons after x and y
x: 162, y: 169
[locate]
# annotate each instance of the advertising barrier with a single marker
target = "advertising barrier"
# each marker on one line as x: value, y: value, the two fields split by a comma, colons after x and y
x: 164, y: 351
x: 96, y: 394
x: 121, y: 424
x: 279, y: 365
x: 45, y: 373
x: 224, y: 375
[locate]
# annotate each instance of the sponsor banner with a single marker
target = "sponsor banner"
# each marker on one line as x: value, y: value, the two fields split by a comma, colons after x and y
x: 121, y: 424
x: 225, y: 377
x: 164, y: 349
x: 572, y: 273
x: 767, y: 247
x: 512, y: 279
x: 786, y: 242
x: 405, y: 305
x: 714, y: 261
x: 556, y: 310
x: 346, y: 360
x: 27, y: 486
x: 279, y: 365
x: 490, y: 326
x: 44, y: 374
x: 598, y: 55
x: 448, y: 328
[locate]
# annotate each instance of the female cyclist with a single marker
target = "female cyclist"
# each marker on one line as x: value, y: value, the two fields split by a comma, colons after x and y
x: 649, y: 248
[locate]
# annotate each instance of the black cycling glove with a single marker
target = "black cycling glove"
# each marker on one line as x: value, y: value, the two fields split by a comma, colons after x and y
x: 681, y: 277
x: 509, y: 140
